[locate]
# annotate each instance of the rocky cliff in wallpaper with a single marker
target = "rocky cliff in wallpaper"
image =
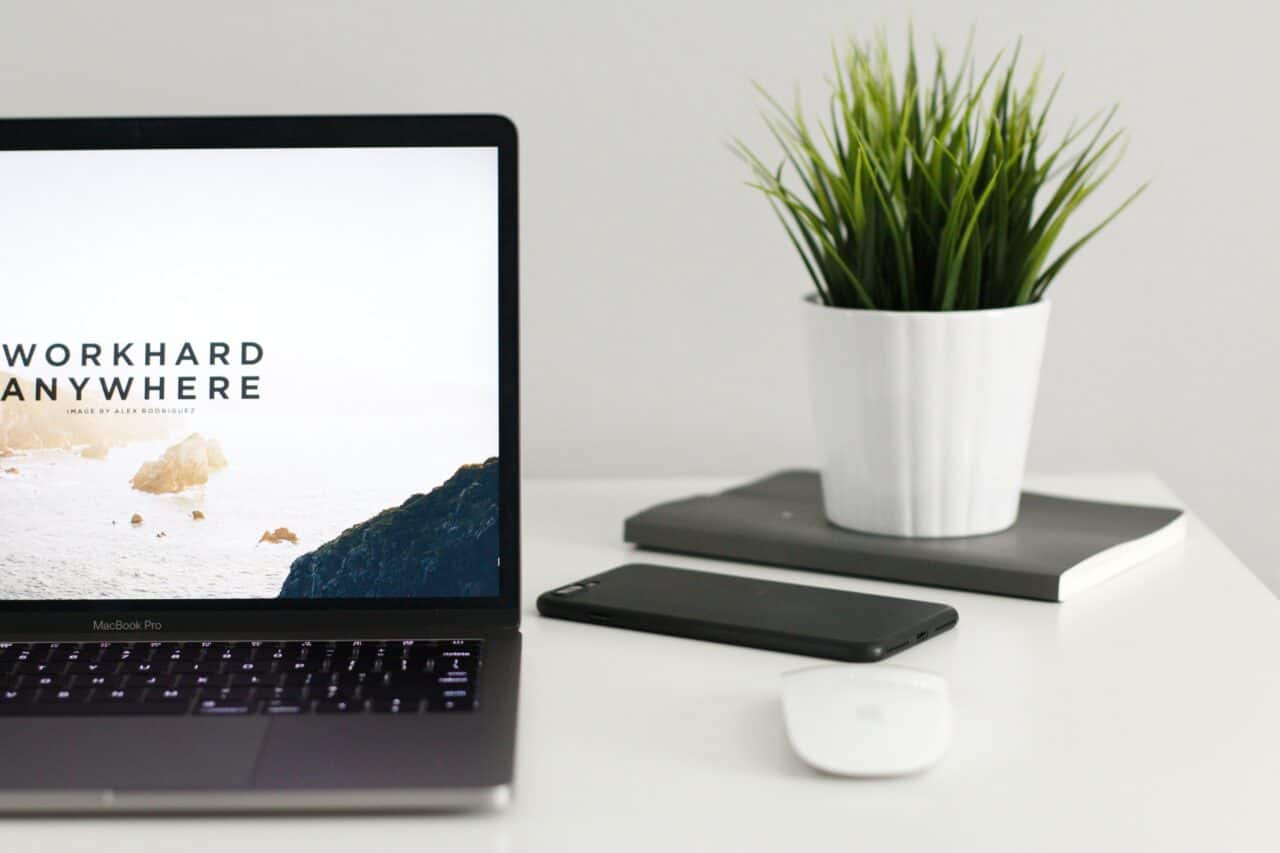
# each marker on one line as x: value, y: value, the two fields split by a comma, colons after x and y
x: 444, y: 543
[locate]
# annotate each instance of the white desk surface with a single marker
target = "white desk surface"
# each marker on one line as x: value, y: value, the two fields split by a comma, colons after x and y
x: 1143, y: 715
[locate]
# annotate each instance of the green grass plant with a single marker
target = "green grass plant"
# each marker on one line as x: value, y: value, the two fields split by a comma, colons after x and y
x: 937, y: 193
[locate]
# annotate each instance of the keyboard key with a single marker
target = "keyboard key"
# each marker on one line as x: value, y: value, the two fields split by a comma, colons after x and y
x: 299, y: 679
x: 60, y: 696
x: 227, y: 694
x: 134, y: 666
x: 170, y: 694
x: 419, y: 663
x: 203, y: 667
x: 308, y: 665
x: 92, y: 709
x: 32, y: 668
x: 451, y: 705
x: 457, y: 696
x: 450, y: 680
x: 283, y: 707
x: 353, y: 679
x: 394, y: 706
x: 225, y: 708
x: 249, y: 680
x: 248, y: 666
x: 339, y: 706
x: 407, y: 693
x: 405, y: 678
x: 85, y: 667
x: 457, y: 666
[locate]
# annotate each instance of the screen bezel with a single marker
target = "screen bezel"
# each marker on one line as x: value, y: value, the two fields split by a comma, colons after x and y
x: 347, y: 616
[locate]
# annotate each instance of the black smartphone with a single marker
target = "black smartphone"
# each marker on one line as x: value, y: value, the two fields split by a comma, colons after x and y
x: 784, y: 617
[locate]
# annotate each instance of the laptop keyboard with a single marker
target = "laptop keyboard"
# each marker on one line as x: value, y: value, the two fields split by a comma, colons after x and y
x: 228, y: 679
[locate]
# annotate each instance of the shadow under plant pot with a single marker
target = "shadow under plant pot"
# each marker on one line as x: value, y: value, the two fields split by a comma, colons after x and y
x: 923, y: 417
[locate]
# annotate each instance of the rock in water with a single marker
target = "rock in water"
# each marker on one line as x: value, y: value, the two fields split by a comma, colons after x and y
x: 216, y: 460
x: 186, y: 464
x: 136, y: 520
x: 280, y: 534
x: 444, y: 543
x: 197, y: 515
x: 11, y: 470
x: 94, y: 451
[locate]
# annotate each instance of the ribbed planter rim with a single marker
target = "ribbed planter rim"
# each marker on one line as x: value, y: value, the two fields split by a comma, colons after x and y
x: 812, y: 299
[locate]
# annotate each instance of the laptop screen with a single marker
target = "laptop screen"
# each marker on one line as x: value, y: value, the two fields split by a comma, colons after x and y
x: 249, y: 374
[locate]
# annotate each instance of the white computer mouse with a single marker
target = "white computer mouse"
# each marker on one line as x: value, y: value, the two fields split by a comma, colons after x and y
x: 863, y: 719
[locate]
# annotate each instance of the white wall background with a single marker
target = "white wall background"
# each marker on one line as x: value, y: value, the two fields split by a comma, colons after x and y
x: 661, y: 331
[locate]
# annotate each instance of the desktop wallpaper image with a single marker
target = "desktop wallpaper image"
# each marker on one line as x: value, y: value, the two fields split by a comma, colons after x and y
x: 231, y: 374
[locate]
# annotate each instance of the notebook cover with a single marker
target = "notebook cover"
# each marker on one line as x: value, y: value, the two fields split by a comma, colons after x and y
x: 779, y: 520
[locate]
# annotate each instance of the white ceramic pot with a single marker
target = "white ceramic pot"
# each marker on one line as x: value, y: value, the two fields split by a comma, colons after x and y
x: 923, y: 417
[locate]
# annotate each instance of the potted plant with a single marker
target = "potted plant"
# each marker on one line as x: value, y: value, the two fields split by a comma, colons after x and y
x: 925, y: 210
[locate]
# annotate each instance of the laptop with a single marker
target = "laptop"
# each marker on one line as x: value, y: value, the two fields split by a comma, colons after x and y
x: 259, y: 478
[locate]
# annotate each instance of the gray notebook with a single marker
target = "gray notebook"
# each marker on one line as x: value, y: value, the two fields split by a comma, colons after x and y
x: 1057, y: 548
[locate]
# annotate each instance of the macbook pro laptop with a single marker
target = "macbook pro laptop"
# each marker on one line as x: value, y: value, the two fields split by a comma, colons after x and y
x: 259, y: 511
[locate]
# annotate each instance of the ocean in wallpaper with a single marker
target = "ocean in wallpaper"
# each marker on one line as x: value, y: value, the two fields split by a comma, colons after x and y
x: 67, y: 520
